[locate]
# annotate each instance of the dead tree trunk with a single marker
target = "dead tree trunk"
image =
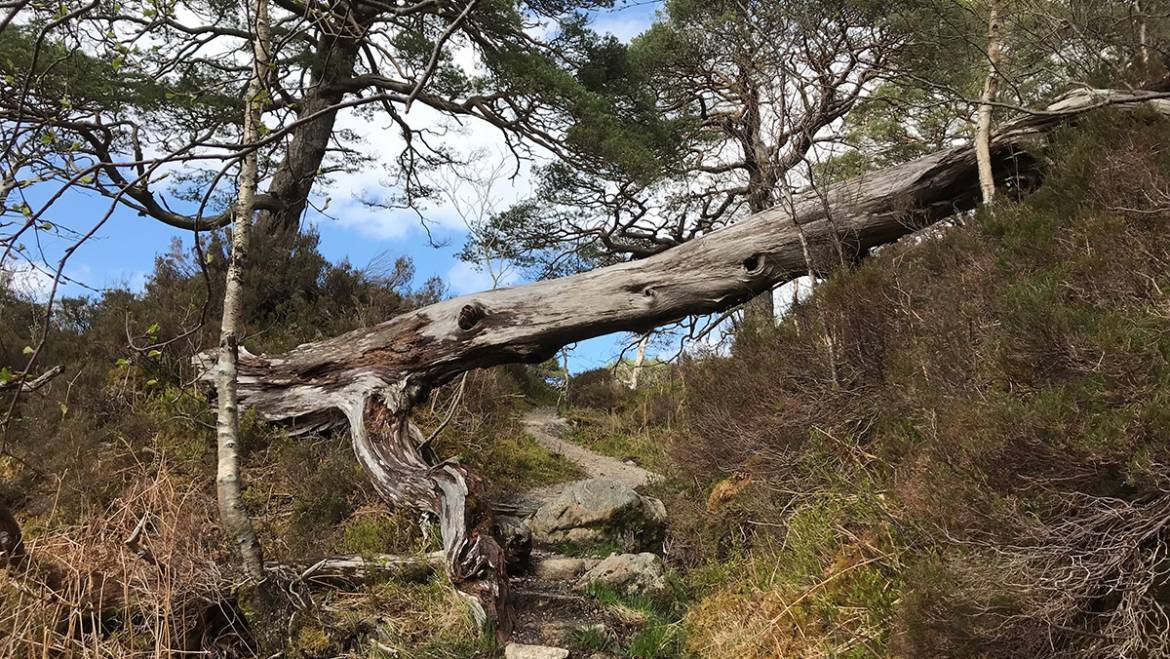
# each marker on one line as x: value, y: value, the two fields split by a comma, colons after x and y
x: 372, y: 377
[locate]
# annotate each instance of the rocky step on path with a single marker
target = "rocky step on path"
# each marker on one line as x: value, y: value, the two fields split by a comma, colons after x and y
x: 553, y: 613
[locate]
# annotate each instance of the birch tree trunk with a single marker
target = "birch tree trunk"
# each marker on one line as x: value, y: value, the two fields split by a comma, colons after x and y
x: 228, y: 483
x: 990, y: 87
x: 1143, y: 42
x: 371, y: 378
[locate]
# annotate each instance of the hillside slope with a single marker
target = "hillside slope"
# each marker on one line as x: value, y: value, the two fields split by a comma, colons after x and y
x: 957, y: 449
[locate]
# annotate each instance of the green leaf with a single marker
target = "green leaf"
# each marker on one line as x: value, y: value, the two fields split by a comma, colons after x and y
x: 153, y: 329
x: 151, y: 382
x: 122, y: 362
x: 28, y: 350
x: 64, y: 409
x: 5, y: 375
x: 154, y: 354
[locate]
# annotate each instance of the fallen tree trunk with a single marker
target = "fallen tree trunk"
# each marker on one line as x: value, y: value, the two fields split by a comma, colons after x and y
x: 371, y: 378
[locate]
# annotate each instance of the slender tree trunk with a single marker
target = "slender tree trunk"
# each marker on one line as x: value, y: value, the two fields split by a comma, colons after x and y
x: 228, y: 484
x: 565, y: 368
x: 990, y: 87
x: 639, y: 360
x: 1143, y: 42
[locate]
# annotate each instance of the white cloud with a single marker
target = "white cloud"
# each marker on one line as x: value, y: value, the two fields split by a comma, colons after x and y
x: 473, y: 140
x: 27, y: 280
x: 467, y: 278
x: 377, y: 223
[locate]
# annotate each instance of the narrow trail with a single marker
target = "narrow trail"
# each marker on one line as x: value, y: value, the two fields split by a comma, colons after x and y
x: 548, y: 609
x: 547, y: 427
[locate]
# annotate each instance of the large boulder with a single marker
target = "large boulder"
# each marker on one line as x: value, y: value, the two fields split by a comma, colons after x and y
x: 601, y: 511
x: 629, y: 574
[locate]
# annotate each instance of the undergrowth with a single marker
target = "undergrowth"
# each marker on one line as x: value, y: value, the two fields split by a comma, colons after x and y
x: 122, y: 447
x: 956, y: 449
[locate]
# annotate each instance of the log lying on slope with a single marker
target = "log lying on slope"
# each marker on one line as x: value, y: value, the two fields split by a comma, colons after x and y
x: 372, y: 377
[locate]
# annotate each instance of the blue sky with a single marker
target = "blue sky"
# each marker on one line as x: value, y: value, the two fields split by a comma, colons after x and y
x: 122, y: 252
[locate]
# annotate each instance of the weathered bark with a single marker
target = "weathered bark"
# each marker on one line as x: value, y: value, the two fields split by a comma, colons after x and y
x: 228, y: 483
x: 372, y: 377
x: 1143, y: 39
x: 406, y: 471
x: 990, y: 88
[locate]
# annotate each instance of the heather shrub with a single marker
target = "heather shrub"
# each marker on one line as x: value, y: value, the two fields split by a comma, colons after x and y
x: 988, y: 400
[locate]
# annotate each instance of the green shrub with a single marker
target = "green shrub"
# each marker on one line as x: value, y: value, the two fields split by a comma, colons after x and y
x: 957, y: 407
x: 598, y: 389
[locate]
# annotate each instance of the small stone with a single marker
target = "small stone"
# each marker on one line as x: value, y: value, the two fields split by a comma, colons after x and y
x: 630, y: 574
x: 518, y: 651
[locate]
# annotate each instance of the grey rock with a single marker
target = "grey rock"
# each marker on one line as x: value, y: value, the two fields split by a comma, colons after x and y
x: 561, y: 568
x: 631, y: 574
x: 598, y: 510
x: 518, y: 651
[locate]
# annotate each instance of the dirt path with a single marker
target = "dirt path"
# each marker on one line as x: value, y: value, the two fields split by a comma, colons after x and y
x: 547, y: 427
x: 549, y: 611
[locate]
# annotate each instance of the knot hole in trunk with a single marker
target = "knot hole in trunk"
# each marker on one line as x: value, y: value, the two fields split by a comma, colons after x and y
x: 754, y: 264
x: 470, y: 315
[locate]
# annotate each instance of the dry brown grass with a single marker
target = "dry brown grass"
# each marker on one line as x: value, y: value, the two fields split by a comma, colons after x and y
x: 82, y: 591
